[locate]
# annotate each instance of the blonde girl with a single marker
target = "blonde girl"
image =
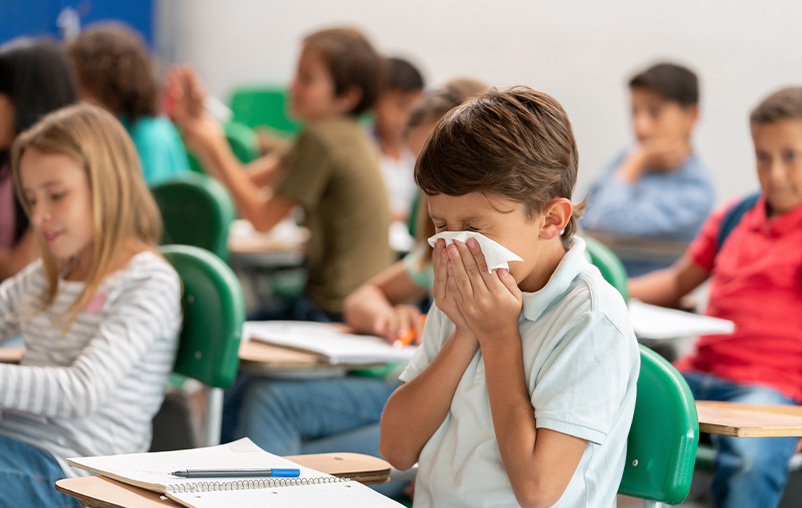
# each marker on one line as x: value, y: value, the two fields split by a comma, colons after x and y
x: 99, y: 311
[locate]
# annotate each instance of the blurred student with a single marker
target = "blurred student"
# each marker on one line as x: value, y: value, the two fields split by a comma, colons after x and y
x: 658, y: 189
x: 403, y: 86
x: 524, y: 388
x: 116, y: 71
x: 99, y: 312
x: 35, y: 79
x: 386, y: 305
x: 750, y: 252
x: 332, y: 171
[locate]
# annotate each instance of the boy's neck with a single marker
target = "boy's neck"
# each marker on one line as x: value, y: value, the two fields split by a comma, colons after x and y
x: 550, y: 257
x: 391, y: 146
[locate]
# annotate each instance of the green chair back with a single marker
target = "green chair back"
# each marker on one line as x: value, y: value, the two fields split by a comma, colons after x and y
x: 214, y: 311
x: 608, y: 264
x: 257, y: 106
x: 661, y: 448
x: 196, y: 210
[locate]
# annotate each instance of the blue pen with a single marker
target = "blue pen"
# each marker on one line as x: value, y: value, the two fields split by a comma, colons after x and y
x: 236, y: 473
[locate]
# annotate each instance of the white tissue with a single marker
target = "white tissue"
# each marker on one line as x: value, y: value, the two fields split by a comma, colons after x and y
x: 496, y: 255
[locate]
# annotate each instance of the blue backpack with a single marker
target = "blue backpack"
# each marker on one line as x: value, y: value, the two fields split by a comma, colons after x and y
x: 733, y: 217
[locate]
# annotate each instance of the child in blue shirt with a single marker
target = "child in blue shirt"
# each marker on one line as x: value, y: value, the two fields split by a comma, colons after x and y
x: 659, y: 189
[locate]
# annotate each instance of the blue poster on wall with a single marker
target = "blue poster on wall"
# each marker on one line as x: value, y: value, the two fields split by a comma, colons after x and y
x: 62, y: 18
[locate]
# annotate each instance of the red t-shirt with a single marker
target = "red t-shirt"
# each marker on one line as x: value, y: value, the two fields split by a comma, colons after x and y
x: 755, y: 281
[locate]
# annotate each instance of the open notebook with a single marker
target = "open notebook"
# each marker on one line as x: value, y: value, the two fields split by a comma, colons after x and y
x: 338, y: 347
x: 152, y: 471
x: 653, y: 322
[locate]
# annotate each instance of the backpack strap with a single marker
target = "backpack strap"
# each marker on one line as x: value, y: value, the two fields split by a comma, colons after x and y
x: 733, y: 217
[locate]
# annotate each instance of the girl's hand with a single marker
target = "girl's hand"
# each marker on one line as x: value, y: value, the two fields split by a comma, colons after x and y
x: 490, y: 302
x: 444, y: 289
x: 403, y: 319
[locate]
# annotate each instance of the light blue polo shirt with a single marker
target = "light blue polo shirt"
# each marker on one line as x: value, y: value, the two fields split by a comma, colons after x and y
x: 581, y: 365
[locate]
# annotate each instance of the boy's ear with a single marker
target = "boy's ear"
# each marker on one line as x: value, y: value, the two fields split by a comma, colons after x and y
x: 348, y: 100
x: 555, y: 218
x: 692, y: 112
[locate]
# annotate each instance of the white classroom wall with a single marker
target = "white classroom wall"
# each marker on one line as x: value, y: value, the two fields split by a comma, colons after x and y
x: 582, y: 52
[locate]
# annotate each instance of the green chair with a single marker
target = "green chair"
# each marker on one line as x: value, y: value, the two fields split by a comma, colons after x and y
x: 196, y: 210
x: 661, y: 449
x: 257, y: 106
x: 608, y: 264
x: 214, y: 311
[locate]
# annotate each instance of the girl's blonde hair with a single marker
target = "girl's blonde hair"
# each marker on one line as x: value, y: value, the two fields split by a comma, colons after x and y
x: 122, y: 205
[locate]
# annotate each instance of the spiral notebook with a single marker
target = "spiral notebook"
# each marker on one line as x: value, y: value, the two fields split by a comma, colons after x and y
x: 152, y: 471
x: 327, y: 340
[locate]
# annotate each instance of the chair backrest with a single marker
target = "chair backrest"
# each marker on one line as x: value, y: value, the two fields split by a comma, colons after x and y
x: 608, y: 264
x: 196, y: 210
x: 661, y: 448
x: 214, y: 311
x: 257, y: 106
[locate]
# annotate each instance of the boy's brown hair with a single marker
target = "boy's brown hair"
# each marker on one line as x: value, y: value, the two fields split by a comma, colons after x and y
x: 671, y: 81
x: 352, y: 62
x: 784, y: 104
x: 114, y: 65
x: 516, y: 143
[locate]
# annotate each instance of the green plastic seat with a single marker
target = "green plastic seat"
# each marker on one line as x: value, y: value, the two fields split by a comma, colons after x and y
x: 608, y: 264
x: 257, y: 106
x: 214, y: 311
x: 196, y: 210
x: 661, y: 449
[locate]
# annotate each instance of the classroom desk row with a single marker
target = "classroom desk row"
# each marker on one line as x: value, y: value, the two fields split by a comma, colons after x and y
x: 723, y: 418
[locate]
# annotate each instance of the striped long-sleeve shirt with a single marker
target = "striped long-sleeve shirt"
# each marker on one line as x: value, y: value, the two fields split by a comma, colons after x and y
x: 95, y: 389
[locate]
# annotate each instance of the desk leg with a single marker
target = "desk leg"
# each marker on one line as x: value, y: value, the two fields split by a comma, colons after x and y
x: 214, y: 416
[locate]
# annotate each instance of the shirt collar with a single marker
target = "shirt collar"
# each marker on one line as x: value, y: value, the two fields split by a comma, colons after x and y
x: 757, y: 220
x: 571, y: 265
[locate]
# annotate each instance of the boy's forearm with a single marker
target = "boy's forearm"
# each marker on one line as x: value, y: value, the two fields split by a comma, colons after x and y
x: 248, y: 197
x: 417, y: 409
x: 510, y: 406
x: 539, y: 463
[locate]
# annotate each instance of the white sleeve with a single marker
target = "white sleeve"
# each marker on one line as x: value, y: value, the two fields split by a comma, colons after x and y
x: 148, y: 312
x: 13, y: 292
x: 580, y: 388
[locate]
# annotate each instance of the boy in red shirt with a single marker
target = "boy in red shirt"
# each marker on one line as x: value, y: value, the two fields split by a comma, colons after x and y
x: 751, y: 254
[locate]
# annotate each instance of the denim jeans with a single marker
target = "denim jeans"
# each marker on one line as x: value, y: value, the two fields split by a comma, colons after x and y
x: 290, y: 417
x: 748, y: 471
x: 28, y: 477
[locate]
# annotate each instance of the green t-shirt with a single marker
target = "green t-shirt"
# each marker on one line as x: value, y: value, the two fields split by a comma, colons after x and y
x: 332, y: 171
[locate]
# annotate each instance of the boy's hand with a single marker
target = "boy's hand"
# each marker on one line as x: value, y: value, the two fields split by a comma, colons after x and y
x: 444, y: 289
x: 663, y: 153
x: 187, y: 95
x: 489, y: 301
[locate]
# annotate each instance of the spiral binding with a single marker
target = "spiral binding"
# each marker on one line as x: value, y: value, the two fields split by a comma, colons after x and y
x: 255, y: 483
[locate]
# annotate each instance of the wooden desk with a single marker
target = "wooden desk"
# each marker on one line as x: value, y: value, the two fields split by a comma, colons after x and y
x: 746, y: 420
x: 99, y: 492
x: 640, y: 248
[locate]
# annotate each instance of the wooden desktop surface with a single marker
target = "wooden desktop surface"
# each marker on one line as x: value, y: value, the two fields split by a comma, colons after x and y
x: 99, y: 492
x: 747, y: 420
